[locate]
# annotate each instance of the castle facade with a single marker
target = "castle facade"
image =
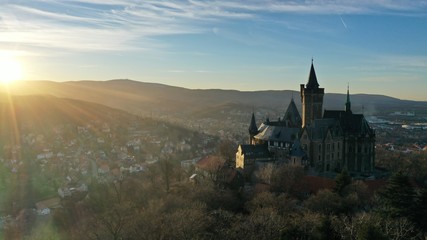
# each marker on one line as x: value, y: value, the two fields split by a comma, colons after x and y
x: 324, y: 140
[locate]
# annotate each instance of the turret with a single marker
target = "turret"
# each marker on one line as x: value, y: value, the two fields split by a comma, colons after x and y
x: 253, y: 129
x: 348, y: 103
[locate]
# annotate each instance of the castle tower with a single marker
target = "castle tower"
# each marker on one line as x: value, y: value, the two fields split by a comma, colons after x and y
x: 253, y: 130
x: 311, y: 99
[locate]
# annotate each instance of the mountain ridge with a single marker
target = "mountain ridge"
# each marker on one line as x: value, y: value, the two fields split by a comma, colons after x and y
x: 148, y: 98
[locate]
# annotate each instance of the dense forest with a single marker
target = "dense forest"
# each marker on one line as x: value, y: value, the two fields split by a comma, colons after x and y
x: 162, y: 203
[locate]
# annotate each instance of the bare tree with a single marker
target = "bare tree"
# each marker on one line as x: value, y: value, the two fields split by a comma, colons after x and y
x: 265, y: 173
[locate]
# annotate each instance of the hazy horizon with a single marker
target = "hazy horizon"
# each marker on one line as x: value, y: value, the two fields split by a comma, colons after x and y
x: 221, y: 89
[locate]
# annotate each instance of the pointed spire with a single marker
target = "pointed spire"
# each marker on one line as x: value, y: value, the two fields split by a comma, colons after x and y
x: 292, y: 115
x: 312, y: 79
x: 348, y: 103
x: 253, y: 129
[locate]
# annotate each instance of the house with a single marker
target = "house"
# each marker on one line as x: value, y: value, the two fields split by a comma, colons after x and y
x: 251, y: 157
x: 44, y: 207
x: 104, y: 169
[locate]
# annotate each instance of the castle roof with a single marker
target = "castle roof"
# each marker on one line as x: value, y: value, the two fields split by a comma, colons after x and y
x: 292, y: 116
x: 312, y: 79
x: 255, y: 151
x: 253, y: 129
x: 277, y: 133
x: 351, y: 123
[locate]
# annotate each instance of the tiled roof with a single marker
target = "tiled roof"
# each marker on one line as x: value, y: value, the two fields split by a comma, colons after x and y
x: 49, y: 203
x: 277, y: 133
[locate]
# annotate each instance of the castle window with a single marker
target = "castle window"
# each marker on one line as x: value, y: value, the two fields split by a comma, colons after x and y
x: 327, y: 157
x: 333, y: 146
x: 332, y: 156
x: 328, y: 147
x: 319, y: 157
x: 338, y: 146
x: 320, y: 147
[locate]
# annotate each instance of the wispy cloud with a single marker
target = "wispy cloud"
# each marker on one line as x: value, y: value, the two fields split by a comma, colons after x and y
x: 129, y: 25
x: 405, y: 61
x: 391, y: 79
x: 393, y: 63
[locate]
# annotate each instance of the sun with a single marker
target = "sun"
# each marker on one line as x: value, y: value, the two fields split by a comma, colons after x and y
x: 10, y: 69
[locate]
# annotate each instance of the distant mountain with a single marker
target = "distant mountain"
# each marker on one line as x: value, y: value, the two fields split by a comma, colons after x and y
x: 151, y: 98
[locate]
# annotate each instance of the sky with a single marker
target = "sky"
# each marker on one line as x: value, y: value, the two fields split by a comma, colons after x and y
x: 375, y: 46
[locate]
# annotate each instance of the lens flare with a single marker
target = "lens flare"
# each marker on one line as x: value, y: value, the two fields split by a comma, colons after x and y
x: 10, y: 69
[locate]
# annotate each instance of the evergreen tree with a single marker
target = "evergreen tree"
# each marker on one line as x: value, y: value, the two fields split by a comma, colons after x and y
x: 342, y: 180
x: 398, y: 198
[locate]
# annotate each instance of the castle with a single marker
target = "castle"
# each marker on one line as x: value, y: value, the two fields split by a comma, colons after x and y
x: 325, y: 141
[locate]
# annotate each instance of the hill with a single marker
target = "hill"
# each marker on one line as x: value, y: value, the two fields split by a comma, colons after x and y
x: 151, y: 98
x: 41, y: 113
x: 47, y: 115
